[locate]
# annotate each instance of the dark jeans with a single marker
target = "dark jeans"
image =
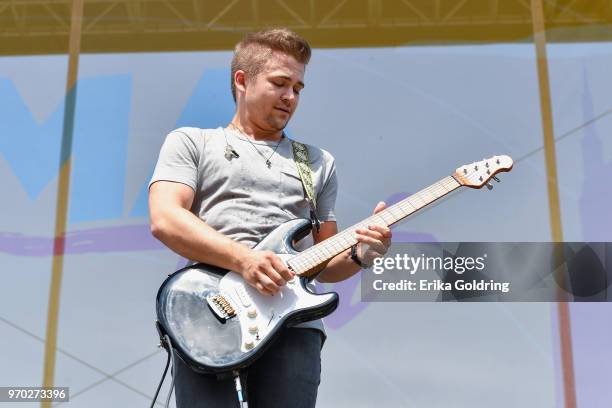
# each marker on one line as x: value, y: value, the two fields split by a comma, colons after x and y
x: 287, y: 375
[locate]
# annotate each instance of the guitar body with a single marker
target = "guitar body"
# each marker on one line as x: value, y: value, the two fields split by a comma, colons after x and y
x: 219, y: 323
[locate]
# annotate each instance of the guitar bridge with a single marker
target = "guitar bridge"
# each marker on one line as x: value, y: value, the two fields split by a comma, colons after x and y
x: 221, y: 307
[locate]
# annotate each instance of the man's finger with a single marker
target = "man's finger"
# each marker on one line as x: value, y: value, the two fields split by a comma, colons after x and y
x: 374, y: 244
x: 274, y: 276
x: 385, y: 231
x: 379, y: 207
x: 260, y: 288
x: 370, y: 233
x: 282, y: 269
x: 268, y: 283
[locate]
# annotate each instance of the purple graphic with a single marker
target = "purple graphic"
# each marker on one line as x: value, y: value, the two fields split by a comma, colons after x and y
x: 123, y: 238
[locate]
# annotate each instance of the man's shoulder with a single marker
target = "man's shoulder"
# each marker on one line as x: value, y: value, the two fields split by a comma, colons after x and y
x: 192, y: 131
x: 195, y: 135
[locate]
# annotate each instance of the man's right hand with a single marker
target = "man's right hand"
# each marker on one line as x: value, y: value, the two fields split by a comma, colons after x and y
x: 265, y: 271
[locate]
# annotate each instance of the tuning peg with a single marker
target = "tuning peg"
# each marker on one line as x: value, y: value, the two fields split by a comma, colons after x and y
x: 489, y: 186
x: 496, y: 179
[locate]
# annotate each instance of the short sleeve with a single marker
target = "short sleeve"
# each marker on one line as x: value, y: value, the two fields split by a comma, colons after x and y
x: 179, y: 158
x: 326, y: 199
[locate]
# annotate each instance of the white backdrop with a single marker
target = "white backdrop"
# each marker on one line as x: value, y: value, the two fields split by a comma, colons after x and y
x: 397, y: 120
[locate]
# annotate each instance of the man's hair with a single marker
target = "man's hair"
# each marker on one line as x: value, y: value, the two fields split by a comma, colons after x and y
x: 251, y: 54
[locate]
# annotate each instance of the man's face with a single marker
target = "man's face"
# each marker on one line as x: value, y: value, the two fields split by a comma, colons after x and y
x: 272, y: 96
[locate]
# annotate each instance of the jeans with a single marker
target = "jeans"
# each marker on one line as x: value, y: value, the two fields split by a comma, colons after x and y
x: 287, y: 375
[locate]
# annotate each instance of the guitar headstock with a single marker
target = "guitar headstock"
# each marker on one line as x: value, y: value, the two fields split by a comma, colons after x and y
x: 478, y: 174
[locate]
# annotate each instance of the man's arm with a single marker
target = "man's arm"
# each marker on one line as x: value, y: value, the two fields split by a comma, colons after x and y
x: 183, y: 232
x: 342, y: 267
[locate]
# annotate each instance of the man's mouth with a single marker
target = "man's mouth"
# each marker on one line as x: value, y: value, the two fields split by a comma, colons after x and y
x: 283, y: 110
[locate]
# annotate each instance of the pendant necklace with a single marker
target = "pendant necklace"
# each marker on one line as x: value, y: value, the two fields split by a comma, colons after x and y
x: 267, y: 160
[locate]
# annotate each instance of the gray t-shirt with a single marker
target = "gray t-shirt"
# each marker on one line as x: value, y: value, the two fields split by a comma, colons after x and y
x: 241, y: 197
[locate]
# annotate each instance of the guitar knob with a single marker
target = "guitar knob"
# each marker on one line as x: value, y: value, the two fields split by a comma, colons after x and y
x: 252, y: 313
x: 249, y: 344
x: 253, y: 329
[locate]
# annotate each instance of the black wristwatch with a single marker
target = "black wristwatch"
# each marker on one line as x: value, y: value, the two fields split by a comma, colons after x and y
x: 356, y: 259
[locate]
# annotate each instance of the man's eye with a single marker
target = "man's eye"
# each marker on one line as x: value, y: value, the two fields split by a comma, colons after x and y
x: 279, y: 84
x: 297, y: 90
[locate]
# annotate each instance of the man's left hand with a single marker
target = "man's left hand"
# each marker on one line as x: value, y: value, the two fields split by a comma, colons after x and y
x: 373, y: 242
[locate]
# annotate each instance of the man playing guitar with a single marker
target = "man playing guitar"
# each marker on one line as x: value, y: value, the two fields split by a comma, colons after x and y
x: 215, y: 193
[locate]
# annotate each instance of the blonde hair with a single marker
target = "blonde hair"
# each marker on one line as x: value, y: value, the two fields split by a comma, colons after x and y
x: 251, y: 53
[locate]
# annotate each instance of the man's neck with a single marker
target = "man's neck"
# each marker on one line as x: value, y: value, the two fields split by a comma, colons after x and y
x: 253, y: 132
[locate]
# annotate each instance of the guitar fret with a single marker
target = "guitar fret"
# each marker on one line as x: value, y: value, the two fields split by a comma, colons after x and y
x: 414, y: 203
x: 326, y: 252
x: 410, y: 205
x: 429, y: 196
x: 389, y: 212
x: 444, y: 185
x: 336, y: 246
x: 399, y: 212
x: 407, y: 201
x: 408, y: 209
x: 383, y: 217
x: 423, y: 195
x: 389, y: 218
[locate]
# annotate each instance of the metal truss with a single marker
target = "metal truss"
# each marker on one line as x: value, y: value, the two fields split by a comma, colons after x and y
x: 42, y: 26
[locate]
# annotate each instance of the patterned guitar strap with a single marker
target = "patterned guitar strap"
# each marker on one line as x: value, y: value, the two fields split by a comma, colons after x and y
x: 302, y: 162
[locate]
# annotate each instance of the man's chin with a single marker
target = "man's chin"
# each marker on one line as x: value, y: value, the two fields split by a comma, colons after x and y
x: 279, y: 125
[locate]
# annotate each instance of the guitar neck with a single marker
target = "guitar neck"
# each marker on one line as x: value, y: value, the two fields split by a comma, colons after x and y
x: 316, y: 256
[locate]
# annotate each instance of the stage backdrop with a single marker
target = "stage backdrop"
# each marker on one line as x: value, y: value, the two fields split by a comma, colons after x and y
x: 396, y: 119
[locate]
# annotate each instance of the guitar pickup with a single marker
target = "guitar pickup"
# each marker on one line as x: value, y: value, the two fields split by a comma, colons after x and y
x: 243, y: 296
x: 221, y: 307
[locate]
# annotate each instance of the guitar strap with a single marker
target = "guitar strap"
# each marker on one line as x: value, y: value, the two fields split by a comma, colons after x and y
x: 302, y: 162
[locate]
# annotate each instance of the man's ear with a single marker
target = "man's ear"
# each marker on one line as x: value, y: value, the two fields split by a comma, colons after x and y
x: 240, y: 80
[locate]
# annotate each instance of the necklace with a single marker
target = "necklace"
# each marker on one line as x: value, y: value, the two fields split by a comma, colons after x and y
x: 267, y: 160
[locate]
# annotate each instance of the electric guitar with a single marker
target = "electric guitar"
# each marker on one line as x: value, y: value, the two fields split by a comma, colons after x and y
x: 218, y: 323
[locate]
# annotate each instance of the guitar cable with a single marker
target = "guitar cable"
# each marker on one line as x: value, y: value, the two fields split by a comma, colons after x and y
x: 166, y: 342
x: 172, y: 372
x: 241, y: 401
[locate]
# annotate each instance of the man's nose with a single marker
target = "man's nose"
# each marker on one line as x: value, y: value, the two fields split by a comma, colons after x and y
x: 288, y: 96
